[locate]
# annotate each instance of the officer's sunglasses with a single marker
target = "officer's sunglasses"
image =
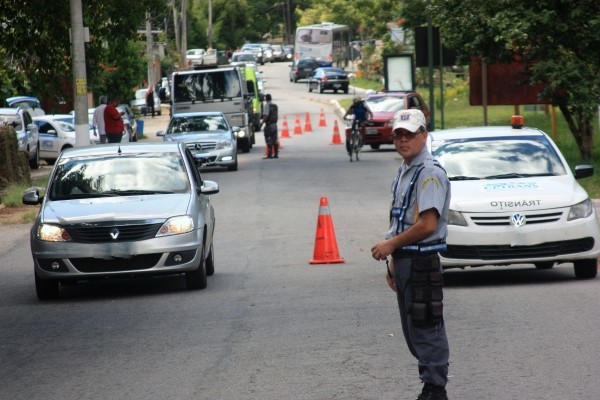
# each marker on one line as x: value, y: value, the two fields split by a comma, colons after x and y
x: 401, y: 133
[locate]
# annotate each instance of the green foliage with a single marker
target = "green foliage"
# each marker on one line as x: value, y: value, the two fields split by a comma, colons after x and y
x: 36, y: 43
x: 555, y: 38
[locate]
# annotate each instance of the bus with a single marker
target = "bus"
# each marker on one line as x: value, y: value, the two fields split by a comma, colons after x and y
x: 326, y: 42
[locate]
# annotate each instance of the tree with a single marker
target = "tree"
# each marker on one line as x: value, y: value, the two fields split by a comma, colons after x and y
x: 36, y: 43
x: 558, y: 39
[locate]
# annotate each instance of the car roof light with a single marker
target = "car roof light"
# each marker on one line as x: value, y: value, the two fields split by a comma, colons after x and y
x: 517, y: 121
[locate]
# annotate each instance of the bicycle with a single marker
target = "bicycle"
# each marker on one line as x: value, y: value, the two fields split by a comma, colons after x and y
x: 354, y: 143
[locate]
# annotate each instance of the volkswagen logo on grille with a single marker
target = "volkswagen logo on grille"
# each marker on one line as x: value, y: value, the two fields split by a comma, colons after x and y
x: 114, y: 234
x: 518, y: 219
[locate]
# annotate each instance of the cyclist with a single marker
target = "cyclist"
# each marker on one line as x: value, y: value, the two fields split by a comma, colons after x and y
x: 360, y: 109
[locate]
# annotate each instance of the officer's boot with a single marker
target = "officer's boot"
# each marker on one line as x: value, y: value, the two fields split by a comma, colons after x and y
x: 275, y: 150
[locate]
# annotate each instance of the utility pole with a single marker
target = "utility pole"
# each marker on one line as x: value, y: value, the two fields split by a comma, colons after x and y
x: 78, y: 39
x: 209, y: 30
x: 149, y: 53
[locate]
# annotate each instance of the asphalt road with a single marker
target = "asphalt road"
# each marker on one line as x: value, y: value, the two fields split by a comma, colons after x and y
x: 270, y: 325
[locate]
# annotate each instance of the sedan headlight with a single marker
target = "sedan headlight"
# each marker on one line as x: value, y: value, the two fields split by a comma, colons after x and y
x: 456, y: 218
x: 176, y: 226
x: 52, y: 233
x: 224, y: 144
x: 581, y: 210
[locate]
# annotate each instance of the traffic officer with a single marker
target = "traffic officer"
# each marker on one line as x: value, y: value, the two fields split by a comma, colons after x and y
x: 418, y: 228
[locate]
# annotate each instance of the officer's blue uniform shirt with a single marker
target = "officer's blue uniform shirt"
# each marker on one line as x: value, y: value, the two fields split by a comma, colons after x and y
x: 431, y: 190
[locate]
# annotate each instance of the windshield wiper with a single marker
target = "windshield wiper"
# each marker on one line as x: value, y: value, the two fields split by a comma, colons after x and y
x: 133, y: 192
x: 464, y: 178
x: 507, y: 176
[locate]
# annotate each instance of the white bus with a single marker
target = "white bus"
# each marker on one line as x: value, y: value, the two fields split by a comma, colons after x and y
x: 326, y: 42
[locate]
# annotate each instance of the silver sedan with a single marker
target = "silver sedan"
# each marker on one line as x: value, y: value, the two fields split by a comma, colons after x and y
x: 121, y: 210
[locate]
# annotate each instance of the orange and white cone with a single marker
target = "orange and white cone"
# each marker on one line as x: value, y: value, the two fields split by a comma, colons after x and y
x: 322, y: 121
x: 326, y: 250
x: 337, y: 139
x: 307, y: 124
x: 297, y: 127
x: 285, y: 132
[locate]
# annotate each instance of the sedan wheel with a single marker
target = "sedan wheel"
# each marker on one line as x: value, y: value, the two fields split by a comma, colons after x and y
x: 195, y: 280
x: 210, y: 262
x: 586, y: 269
x: 34, y: 163
x: 46, y: 289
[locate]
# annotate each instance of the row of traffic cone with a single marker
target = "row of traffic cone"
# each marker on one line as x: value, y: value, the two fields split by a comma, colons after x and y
x: 285, y: 132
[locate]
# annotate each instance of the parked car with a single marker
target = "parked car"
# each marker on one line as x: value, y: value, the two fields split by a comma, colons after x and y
x: 194, y: 56
x: 242, y: 57
x: 129, y: 121
x: 122, y: 210
x: 70, y: 118
x: 515, y: 201
x: 302, y: 68
x: 207, y: 135
x: 54, y: 137
x: 29, y: 103
x: 385, y: 105
x: 27, y: 132
x: 278, y: 54
x: 255, y: 49
x: 138, y: 104
x: 329, y: 78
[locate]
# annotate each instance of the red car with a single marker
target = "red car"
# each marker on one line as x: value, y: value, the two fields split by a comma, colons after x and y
x: 384, y: 106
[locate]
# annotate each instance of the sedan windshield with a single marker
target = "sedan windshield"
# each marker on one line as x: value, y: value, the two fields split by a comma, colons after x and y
x: 498, y: 158
x: 119, y: 175
x: 197, y: 124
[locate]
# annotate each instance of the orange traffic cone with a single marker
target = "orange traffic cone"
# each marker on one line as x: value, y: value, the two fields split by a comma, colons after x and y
x: 297, y: 127
x: 285, y: 132
x: 322, y: 121
x: 337, y: 139
x: 326, y: 250
x: 307, y: 125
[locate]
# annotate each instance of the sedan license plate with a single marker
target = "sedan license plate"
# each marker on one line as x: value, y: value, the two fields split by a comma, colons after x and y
x: 370, y: 131
x: 337, y: 85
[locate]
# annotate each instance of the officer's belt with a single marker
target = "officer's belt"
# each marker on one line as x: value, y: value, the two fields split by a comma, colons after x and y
x: 420, y: 248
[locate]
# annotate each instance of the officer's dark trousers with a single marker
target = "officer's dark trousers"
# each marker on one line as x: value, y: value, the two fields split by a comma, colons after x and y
x: 428, y: 343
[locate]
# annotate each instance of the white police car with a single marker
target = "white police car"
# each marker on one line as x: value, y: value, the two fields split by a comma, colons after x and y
x: 54, y: 137
x: 515, y: 201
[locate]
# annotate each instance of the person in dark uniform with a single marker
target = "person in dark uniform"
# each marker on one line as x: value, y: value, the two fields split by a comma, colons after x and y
x: 418, y: 229
x: 269, y: 119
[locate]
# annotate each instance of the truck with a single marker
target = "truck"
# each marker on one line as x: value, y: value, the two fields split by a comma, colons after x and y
x: 223, y: 89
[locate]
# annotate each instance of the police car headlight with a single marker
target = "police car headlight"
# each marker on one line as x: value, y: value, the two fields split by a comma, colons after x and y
x: 224, y: 144
x: 456, y: 218
x: 581, y: 210
x: 52, y: 233
x: 176, y: 226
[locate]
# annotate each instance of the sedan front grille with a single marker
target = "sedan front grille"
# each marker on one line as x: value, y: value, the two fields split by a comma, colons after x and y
x: 201, y: 146
x: 504, y: 220
x: 507, y: 252
x: 116, y: 264
x: 113, y: 233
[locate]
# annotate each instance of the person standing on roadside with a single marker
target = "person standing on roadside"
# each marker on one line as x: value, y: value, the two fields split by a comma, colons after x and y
x: 113, y: 123
x: 269, y: 119
x: 98, y: 119
x: 418, y: 229
x: 150, y: 102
